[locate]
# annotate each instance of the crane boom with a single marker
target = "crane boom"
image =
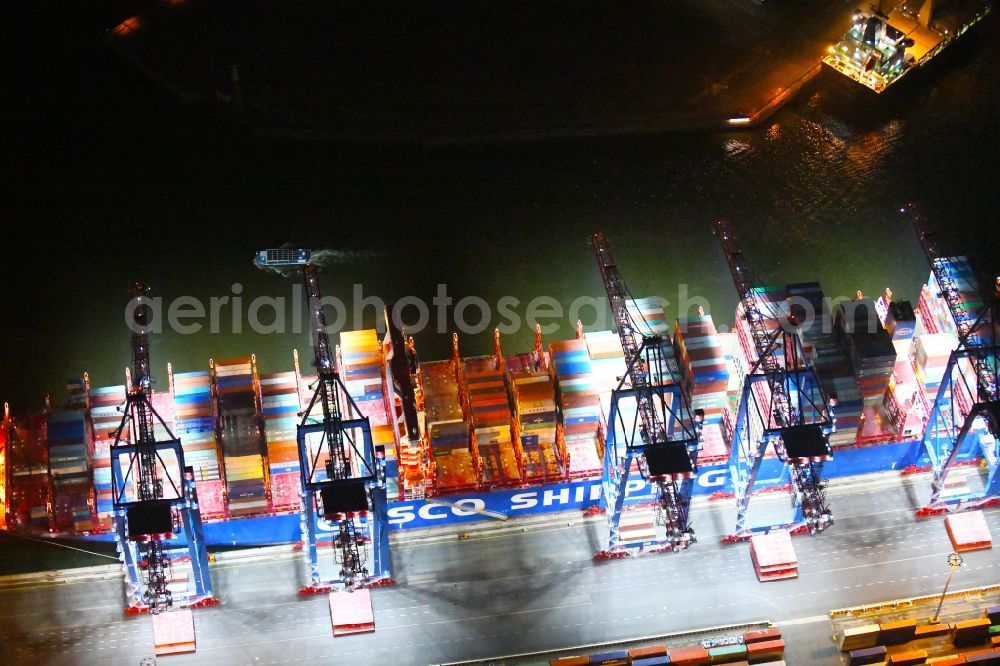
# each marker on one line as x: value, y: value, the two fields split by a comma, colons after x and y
x: 765, y: 343
x: 631, y: 338
x: 789, y: 407
x: 149, y: 485
x: 972, y: 328
x: 965, y: 415
x: 668, y: 449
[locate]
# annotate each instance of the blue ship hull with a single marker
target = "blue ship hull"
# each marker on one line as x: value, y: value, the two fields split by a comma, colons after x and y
x: 576, y: 495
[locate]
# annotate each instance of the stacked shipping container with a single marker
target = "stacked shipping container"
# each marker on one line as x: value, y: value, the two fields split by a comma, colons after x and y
x: 608, y: 368
x: 930, y: 361
x: 105, y: 418
x: 580, y: 406
x: 820, y: 346
x: 456, y: 461
x: 648, y: 314
x: 868, y: 347
x: 69, y: 466
x: 502, y: 462
x: 900, y: 400
x: 362, y: 370
x: 240, y: 436
x: 279, y: 396
x: 706, y: 377
x: 195, y: 426
x: 28, y: 461
x: 535, y: 421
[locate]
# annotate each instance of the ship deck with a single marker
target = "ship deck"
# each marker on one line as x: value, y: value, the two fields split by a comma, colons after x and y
x: 949, y: 22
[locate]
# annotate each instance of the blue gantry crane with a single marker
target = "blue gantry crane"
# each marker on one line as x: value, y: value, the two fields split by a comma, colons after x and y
x: 964, y: 421
x: 660, y: 434
x: 155, y: 501
x: 782, y: 405
x: 343, y: 483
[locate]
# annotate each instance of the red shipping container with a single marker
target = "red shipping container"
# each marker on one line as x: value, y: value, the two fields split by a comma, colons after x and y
x: 692, y: 655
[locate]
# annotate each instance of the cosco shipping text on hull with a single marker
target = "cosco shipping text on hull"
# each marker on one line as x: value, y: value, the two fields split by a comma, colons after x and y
x: 514, y: 503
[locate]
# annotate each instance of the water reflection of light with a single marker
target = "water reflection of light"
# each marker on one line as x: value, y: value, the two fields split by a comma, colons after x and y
x: 127, y: 27
x: 774, y: 131
x: 872, y: 146
x: 736, y: 147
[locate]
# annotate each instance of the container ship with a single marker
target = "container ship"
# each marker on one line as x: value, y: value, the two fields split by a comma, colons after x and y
x: 880, y: 48
x: 509, y: 433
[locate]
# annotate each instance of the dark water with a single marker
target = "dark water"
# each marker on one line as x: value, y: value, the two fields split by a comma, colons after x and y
x: 110, y: 180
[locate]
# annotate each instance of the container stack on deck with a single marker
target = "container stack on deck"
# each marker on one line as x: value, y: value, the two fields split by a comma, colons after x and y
x: 241, y: 437
x: 872, y: 356
x: 900, y: 399
x: 105, y: 419
x: 28, y: 460
x: 607, y: 367
x: 607, y: 362
x: 163, y: 405
x: 533, y: 392
x: 821, y: 347
x: 502, y: 462
x: 195, y: 426
x: 361, y: 367
x: 869, y: 348
x: 637, y: 525
x: 706, y: 378
x: 930, y: 361
x: 580, y: 406
x: 648, y: 314
x: 69, y: 463
x: 455, y: 461
x: 729, y: 344
x: 279, y: 397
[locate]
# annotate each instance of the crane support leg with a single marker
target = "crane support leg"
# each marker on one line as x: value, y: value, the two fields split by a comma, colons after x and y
x: 379, y: 527
x: 128, y: 555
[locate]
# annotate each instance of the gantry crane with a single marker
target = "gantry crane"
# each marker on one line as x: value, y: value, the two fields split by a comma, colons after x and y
x: 964, y: 421
x: 342, y: 480
x: 661, y: 436
x: 782, y: 404
x: 155, y: 501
